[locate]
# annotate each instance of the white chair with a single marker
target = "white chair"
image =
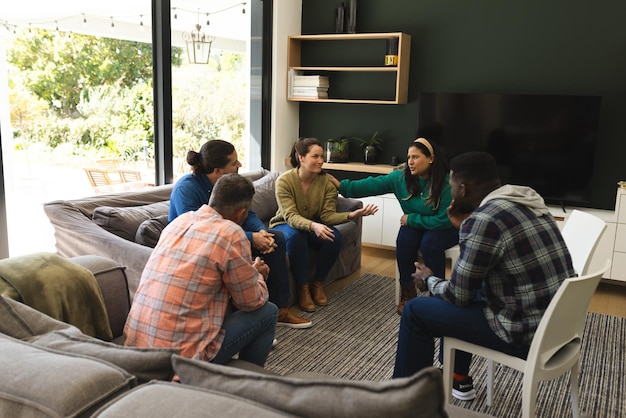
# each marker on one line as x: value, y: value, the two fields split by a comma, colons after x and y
x: 452, y: 253
x: 581, y: 233
x: 554, y: 350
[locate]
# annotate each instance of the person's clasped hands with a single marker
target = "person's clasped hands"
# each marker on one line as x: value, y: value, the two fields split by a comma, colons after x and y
x: 263, y: 241
x: 419, y: 277
x: 261, y: 267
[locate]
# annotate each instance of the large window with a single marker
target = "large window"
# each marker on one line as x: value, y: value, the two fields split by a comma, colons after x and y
x: 76, y: 93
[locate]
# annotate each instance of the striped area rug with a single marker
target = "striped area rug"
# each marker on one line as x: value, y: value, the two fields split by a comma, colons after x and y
x: 355, y: 336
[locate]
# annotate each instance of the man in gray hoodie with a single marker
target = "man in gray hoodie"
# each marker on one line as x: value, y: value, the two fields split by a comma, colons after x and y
x: 513, y: 259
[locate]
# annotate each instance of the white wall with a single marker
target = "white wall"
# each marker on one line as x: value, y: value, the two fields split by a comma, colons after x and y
x: 285, y: 115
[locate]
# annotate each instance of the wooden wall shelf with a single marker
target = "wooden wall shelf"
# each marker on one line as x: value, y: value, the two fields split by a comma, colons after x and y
x: 401, y: 71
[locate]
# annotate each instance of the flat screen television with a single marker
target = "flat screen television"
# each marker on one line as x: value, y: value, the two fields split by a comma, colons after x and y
x: 547, y: 142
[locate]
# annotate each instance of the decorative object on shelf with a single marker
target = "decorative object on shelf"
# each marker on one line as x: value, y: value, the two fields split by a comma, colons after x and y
x: 370, y: 147
x: 392, y: 52
x: 352, y: 16
x: 198, y: 44
x: 337, y: 150
x: 340, y: 18
x: 621, y: 184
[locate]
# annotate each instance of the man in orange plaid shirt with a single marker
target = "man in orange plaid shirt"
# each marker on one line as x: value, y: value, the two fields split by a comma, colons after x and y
x: 202, y: 262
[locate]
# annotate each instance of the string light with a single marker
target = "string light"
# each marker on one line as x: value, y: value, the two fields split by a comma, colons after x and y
x: 9, y: 25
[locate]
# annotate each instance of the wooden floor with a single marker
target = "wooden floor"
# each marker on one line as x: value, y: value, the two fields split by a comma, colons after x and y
x: 610, y: 298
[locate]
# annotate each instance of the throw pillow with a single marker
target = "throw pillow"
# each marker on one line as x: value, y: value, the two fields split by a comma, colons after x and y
x: 149, y: 231
x: 124, y: 221
x: 264, y: 200
x: 322, y: 397
x: 25, y: 323
x: 161, y: 399
x: 42, y: 382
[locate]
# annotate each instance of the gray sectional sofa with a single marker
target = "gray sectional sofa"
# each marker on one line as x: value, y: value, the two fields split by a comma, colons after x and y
x: 52, y: 369
x: 125, y: 226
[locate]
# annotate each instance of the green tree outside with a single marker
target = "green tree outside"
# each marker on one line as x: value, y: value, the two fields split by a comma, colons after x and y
x: 84, y: 95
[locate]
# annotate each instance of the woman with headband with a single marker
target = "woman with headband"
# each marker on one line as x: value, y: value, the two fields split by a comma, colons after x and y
x: 423, y: 191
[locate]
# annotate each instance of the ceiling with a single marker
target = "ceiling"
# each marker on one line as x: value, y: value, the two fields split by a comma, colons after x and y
x: 123, y: 19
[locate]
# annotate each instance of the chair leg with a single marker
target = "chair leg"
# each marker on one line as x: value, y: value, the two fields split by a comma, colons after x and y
x: 448, y: 371
x: 489, y: 382
x: 529, y: 395
x: 573, y: 387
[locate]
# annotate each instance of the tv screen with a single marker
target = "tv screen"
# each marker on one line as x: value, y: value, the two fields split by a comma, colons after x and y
x: 546, y: 142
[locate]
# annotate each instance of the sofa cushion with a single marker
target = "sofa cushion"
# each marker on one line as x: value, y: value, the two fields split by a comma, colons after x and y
x: 161, y: 399
x: 124, y: 221
x: 264, y: 200
x: 150, y: 230
x: 322, y: 396
x: 25, y: 323
x: 73, y: 384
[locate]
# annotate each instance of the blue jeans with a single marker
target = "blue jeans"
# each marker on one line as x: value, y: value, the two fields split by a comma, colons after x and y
x: 298, y: 244
x: 248, y: 333
x: 425, y: 318
x: 431, y: 243
x: 278, y: 279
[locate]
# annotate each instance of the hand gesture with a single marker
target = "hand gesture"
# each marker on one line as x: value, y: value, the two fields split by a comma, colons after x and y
x: 421, y: 273
x: 367, y: 210
x: 261, y: 267
x: 322, y: 231
x: 456, y: 217
x: 263, y: 241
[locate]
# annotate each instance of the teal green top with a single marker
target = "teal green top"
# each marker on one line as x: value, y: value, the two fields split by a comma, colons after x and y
x: 421, y: 214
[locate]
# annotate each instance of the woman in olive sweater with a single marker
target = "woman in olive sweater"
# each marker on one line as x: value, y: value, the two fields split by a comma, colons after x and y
x: 423, y: 191
x: 307, y: 211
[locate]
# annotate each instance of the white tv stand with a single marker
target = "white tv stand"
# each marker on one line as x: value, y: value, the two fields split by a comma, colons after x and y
x: 612, y: 244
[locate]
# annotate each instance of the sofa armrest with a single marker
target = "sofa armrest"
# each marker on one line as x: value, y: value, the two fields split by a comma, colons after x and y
x: 345, y: 204
x: 111, y: 278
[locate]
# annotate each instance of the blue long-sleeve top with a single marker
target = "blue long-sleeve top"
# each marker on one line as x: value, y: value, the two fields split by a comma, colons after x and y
x: 191, y: 192
x: 421, y: 214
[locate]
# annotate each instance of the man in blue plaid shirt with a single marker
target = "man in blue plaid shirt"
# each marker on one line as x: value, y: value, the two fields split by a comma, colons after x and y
x: 513, y: 259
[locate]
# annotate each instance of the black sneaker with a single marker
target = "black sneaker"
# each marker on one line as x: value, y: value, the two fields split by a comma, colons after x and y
x: 463, y: 390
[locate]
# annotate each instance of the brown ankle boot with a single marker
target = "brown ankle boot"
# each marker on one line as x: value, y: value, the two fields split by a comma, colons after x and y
x: 304, y: 299
x: 407, y: 293
x: 318, y: 293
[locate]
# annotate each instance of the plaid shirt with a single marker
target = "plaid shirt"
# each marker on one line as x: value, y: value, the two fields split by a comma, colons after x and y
x: 199, y: 262
x: 516, y: 260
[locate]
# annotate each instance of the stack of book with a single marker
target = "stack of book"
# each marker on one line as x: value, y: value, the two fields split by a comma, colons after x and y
x: 310, y: 86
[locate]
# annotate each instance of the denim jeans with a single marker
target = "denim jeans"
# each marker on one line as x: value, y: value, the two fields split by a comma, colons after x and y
x: 278, y: 279
x: 431, y: 243
x: 248, y: 333
x: 298, y: 244
x: 425, y: 318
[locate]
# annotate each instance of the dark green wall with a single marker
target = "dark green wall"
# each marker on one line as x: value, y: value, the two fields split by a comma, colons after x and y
x: 490, y: 46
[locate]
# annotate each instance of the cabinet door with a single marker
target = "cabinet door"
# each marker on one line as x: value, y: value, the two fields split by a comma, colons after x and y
x: 391, y: 224
x: 373, y: 224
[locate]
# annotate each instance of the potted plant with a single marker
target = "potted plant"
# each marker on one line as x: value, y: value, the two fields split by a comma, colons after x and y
x: 337, y: 150
x: 370, y: 147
